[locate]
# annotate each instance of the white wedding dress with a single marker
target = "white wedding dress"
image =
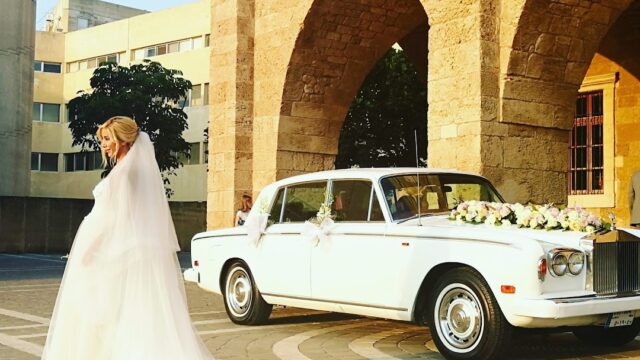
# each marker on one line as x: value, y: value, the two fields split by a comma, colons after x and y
x: 122, y: 294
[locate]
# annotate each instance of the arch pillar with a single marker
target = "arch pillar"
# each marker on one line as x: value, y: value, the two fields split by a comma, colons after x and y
x: 231, y: 109
x: 462, y: 73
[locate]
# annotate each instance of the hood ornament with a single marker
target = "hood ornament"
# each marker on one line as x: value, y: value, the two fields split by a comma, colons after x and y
x: 612, y: 218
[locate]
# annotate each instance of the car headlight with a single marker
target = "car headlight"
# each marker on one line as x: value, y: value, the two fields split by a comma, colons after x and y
x: 559, y: 264
x: 565, y: 261
x: 576, y: 263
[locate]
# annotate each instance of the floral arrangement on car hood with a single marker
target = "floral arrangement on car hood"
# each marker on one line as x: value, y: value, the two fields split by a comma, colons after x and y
x: 530, y: 216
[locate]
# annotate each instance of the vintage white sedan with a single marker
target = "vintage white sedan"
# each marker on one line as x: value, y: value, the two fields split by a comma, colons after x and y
x: 383, y: 255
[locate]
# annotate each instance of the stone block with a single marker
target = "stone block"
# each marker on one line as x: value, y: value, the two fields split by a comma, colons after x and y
x: 544, y: 44
x: 491, y: 150
x: 529, y: 113
x: 518, y: 63
x: 535, y: 65
x: 449, y: 131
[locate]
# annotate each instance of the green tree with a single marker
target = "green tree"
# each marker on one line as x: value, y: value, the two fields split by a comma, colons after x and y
x: 146, y: 92
x: 379, y: 128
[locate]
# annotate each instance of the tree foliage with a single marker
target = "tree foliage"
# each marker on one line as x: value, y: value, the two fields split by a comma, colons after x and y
x: 379, y: 128
x: 146, y: 92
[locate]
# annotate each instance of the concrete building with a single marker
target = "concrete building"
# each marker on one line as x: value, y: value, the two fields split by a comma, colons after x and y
x: 72, y: 15
x: 66, y: 56
x: 17, y: 36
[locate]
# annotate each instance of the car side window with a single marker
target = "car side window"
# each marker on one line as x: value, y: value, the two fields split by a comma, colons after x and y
x: 376, y: 210
x: 303, y: 201
x: 274, y: 215
x: 350, y: 200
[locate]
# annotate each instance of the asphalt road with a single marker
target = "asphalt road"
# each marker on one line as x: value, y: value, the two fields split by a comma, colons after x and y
x: 29, y: 285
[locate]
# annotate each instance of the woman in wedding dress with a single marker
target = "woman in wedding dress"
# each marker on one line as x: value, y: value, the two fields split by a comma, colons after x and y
x: 122, y: 294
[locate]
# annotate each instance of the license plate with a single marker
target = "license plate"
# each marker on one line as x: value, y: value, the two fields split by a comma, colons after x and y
x: 624, y: 318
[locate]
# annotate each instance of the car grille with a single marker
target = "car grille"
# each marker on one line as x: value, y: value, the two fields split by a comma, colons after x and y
x: 616, y: 267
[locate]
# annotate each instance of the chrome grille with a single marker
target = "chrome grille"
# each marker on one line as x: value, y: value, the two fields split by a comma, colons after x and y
x: 616, y: 267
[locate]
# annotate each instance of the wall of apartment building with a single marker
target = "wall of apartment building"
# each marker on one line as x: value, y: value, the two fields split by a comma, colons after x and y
x: 58, y: 221
x: 121, y: 37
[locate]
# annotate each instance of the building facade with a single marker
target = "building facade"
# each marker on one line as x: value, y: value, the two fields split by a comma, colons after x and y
x: 66, y: 56
x: 538, y: 96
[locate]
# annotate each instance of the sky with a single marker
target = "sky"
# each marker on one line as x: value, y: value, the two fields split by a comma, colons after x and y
x: 44, y: 6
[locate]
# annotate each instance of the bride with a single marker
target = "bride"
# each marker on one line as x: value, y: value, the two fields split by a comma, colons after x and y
x: 122, y: 295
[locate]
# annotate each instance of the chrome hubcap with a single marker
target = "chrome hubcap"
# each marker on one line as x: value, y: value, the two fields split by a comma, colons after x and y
x: 460, y: 319
x: 238, y: 292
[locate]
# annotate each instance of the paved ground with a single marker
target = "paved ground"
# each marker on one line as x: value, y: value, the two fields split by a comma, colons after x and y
x: 29, y: 284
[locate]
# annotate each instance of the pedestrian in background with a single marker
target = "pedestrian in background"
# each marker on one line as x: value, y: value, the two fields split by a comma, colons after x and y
x: 634, y: 199
x: 245, y: 206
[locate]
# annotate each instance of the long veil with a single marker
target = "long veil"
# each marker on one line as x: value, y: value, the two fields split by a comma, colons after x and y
x: 122, y: 294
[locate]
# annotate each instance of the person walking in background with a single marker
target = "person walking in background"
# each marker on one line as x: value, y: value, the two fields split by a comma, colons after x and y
x: 634, y: 199
x: 122, y: 295
x: 245, y: 206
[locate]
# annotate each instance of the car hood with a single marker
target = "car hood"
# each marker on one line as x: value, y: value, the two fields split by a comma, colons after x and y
x: 441, y: 226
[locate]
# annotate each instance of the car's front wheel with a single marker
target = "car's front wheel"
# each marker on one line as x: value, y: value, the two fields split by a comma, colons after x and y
x: 242, y: 300
x: 465, y: 319
x: 601, y: 336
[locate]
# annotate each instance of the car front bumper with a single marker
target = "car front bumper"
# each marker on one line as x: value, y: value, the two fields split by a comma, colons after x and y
x: 568, y: 312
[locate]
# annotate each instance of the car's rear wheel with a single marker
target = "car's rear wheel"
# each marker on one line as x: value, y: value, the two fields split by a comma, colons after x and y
x: 601, y: 336
x: 465, y: 319
x: 242, y: 300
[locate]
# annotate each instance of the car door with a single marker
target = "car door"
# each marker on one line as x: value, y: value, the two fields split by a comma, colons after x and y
x: 283, y: 254
x: 357, y: 264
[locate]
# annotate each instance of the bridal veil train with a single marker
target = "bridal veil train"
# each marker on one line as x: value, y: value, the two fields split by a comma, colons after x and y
x: 122, y: 294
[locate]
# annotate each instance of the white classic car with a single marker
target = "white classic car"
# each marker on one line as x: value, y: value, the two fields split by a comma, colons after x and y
x: 391, y: 254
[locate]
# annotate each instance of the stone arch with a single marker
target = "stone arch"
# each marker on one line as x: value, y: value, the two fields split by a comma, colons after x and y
x: 337, y: 46
x: 553, y: 44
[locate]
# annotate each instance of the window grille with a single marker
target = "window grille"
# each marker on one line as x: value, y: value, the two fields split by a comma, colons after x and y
x: 586, y: 155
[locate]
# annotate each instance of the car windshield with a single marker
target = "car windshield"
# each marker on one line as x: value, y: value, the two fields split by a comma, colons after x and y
x: 439, y: 193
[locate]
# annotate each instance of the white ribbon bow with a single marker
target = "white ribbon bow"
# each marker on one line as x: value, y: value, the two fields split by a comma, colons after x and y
x: 317, y: 232
x: 256, y: 226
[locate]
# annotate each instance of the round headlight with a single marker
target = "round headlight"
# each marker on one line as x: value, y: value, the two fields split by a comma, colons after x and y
x: 576, y: 263
x: 559, y: 265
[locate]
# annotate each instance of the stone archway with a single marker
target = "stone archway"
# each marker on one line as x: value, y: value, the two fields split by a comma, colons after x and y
x: 285, y: 72
x: 502, y: 79
x: 552, y: 48
x: 335, y: 50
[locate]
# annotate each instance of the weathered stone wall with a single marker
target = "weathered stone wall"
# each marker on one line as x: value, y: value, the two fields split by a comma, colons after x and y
x: 47, y: 225
x: 545, y: 49
x: 502, y: 79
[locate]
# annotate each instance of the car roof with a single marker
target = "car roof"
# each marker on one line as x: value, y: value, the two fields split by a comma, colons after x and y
x: 372, y: 174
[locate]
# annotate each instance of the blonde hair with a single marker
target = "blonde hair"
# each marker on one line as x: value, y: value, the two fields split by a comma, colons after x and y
x: 122, y: 129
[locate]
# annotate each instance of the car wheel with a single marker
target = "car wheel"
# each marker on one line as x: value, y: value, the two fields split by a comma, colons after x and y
x: 465, y: 319
x: 601, y: 336
x: 242, y: 300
